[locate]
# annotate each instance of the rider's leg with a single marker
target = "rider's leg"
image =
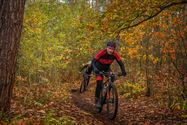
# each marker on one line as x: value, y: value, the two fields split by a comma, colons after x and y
x: 99, y: 79
x: 98, y: 89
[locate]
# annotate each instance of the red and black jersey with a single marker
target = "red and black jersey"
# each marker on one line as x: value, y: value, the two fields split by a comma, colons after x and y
x: 103, y: 60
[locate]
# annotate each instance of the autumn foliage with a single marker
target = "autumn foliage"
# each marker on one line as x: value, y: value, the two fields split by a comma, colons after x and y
x: 58, y: 37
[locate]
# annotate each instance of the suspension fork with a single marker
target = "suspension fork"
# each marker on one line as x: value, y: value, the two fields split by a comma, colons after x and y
x: 108, y: 88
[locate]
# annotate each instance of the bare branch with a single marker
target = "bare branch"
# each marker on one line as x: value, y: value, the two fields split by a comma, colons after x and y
x: 149, y: 17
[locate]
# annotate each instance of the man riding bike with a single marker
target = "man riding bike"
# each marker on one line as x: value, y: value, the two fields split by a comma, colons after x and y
x: 101, y: 62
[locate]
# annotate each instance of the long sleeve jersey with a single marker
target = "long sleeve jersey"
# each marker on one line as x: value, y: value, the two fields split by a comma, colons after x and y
x: 103, y: 60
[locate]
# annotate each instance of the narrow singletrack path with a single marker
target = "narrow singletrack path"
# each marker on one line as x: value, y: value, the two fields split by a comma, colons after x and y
x: 140, y: 111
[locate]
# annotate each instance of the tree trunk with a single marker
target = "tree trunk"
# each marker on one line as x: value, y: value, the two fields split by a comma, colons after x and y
x: 11, y: 19
x: 147, y: 72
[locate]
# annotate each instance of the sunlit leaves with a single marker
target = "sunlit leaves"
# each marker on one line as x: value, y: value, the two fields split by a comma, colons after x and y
x: 57, y: 37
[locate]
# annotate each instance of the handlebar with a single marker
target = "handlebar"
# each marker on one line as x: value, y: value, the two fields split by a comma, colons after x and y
x: 108, y: 74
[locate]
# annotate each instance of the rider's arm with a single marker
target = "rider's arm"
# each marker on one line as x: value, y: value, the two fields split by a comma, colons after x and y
x: 121, y: 64
x: 122, y: 67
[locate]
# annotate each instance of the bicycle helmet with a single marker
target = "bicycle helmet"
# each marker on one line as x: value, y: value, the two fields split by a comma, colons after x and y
x: 111, y: 44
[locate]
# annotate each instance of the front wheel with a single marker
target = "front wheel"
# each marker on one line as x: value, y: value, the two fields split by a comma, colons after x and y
x: 82, y: 87
x: 112, y: 102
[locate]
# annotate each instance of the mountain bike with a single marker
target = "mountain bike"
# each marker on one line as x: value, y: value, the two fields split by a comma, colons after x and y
x: 85, y: 79
x: 109, y: 95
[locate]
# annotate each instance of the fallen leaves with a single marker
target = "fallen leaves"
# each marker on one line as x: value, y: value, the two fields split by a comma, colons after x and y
x: 62, y: 106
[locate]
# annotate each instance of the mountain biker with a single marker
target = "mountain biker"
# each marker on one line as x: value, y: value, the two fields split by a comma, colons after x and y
x: 101, y: 62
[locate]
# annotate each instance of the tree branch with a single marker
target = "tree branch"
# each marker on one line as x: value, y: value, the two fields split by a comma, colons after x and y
x: 151, y: 16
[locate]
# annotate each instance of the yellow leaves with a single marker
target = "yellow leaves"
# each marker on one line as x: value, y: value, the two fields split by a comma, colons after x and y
x: 36, y: 17
x: 37, y: 30
x: 21, y: 79
x: 134, y: 36
x: 90, y: 26
x: 129, y: 89
x: 67, y: 51
x: 122, y: 35
x: 132, y: 52
x: 34, y: 21
x: 155, y: 60
x: 151, y: 58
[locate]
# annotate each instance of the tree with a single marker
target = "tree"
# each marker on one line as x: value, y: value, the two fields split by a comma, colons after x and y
x: 143, y: 16
x: 11, y: 18
x: 130, y: 14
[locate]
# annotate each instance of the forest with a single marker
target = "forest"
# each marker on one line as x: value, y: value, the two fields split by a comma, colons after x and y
x: 45, y: 43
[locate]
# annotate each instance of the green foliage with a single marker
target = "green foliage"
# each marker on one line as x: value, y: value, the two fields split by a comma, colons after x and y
x: 178, y: 104
x: 184, y: 116
x: 50, y: 119
x: 185, y: 105
x: 57, y: 38
x: 130, y: 90
x: 4, y: 117
x: 46, y: 97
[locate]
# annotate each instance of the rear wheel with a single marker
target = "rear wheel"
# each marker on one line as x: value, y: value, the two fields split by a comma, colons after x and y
x: 82, y: 87
x: 84, y: 83
x: 85, y: 79
x: 112, y: 102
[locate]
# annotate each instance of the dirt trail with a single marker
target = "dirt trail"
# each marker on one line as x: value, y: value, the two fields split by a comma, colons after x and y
x: 140, y: 111
x: 80, y: 108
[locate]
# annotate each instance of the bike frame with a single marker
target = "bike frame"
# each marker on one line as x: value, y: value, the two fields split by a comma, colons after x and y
x: 108, y: 83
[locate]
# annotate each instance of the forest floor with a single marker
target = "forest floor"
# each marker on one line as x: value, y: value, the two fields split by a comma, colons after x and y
x: 46, y: 104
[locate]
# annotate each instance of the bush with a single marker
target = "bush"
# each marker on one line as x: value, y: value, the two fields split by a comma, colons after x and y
x: 50, y: 119
x: 129, y: 89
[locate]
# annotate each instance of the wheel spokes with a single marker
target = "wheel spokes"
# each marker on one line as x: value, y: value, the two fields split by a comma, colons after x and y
x: 112, y: 103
